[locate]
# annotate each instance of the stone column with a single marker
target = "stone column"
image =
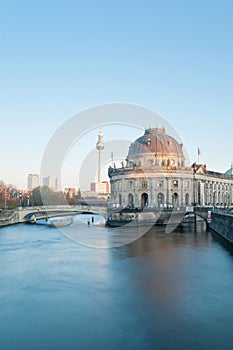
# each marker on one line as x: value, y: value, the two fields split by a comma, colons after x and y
x: 168, y: 184
x: 150, y: 192
x: 136, y: 203
x: 182, y: 201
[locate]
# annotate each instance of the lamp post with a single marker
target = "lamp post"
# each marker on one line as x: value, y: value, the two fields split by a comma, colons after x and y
x: 20, y: 199
x: 194, y: 191
x: 167, y: 195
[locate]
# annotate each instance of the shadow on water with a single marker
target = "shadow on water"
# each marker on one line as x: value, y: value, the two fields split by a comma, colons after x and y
x: 157, y: 240
x: 221, y: 241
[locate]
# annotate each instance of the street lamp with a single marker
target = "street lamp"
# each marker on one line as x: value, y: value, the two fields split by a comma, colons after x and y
x: 194, y: 189
x: 167, y: 194
x: 20, y: 199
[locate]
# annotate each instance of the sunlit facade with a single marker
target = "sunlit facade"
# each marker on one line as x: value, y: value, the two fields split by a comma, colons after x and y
x: 155, y: 176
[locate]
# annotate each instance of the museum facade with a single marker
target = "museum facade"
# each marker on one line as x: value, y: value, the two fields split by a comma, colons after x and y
x: 155, y: 175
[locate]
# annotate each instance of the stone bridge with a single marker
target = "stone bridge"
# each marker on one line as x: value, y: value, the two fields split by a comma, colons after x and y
x: 202, y: 212
x: 221, y: 222
x: 21, y: 215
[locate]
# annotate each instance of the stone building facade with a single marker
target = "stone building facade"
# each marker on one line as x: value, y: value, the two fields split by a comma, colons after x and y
x: 155, y: 176
x: 212, y: 188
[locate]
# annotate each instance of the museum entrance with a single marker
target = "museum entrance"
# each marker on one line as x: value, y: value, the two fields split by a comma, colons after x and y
x: 160, y: 200
x: 175, y: 199
x: 144, y: 200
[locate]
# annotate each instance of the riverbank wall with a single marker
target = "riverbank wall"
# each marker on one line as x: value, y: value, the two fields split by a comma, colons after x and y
x: 223, y: 225
x: 10, y: 218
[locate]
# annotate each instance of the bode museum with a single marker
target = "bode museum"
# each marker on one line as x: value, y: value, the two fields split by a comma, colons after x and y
x: 155, y: 176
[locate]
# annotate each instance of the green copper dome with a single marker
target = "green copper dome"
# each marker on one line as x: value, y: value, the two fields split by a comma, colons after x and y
x: 230, y: 171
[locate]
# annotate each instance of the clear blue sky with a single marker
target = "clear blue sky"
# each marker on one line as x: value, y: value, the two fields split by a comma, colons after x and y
x: 58, y: 57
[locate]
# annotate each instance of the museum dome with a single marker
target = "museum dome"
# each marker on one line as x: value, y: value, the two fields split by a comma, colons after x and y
x: 156, y: 147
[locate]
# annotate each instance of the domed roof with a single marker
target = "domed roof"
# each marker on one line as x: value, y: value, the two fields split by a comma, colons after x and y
x: 156, y: 141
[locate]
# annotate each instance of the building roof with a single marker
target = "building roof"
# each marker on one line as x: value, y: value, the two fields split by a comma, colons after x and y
x: 156, y: 141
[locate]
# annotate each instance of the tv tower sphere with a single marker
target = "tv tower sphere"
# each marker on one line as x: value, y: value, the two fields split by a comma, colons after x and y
x: 100, y: 143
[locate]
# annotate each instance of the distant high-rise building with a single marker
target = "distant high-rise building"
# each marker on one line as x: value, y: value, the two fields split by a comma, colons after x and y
x: 100, y: 187
x: 33, y: 181
x: 51, y: 182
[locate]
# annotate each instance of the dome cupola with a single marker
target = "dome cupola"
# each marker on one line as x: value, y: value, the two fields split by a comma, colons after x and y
x: 156, y: 148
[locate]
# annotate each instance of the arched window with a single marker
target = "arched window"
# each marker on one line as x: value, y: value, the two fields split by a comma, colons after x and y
x: 120, y: 199
x: 130, y: 200
x: 149, y: 162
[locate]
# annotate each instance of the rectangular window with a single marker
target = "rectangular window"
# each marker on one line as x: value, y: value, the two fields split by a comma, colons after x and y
x: 160, y: 183
x: 144, y: 184
x: 119, y: 185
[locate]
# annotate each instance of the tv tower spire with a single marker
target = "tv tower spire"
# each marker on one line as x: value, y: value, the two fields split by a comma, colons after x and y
x: 100, y: 148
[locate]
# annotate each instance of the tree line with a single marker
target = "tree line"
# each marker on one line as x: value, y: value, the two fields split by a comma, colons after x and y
x: 37, y: 197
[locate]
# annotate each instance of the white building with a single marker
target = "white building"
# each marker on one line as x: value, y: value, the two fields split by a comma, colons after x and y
x: 51, y: 182
x: 100, y: 187
x: 33, y: 181
x: 156, y: 176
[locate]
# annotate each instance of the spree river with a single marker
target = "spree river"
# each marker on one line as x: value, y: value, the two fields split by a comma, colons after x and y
x: 163, y: 291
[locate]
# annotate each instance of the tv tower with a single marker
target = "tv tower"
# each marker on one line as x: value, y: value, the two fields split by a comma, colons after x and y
x: 100, y: 148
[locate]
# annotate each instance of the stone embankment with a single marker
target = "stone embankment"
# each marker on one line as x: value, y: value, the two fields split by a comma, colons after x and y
x: 222, y: 223
x: 9, y: 217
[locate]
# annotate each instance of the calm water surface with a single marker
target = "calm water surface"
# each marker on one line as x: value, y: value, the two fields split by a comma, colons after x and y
x: 163, y: 291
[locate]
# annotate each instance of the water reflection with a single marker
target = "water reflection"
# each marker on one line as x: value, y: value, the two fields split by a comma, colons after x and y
x: 164, y: 291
